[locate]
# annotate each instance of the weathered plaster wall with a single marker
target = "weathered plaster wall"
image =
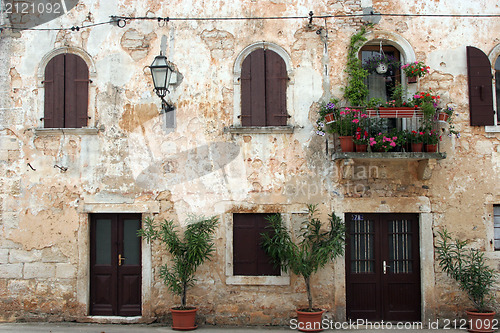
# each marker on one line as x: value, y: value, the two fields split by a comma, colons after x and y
x: 137, y: 162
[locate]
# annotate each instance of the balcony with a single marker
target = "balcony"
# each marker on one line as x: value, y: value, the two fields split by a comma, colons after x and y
x: 395, y: 129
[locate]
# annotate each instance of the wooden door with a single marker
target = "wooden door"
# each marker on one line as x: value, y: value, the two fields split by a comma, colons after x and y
x: 383, y: 267
x: 115, y: 265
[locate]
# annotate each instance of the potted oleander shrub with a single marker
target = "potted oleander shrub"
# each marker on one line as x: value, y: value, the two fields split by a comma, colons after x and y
x: 468, y: 267
x: 188, y: 252
x: 313, y: 249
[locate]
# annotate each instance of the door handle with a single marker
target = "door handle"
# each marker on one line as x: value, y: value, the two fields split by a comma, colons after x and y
x: 385, y: 267
x: 120, y: 258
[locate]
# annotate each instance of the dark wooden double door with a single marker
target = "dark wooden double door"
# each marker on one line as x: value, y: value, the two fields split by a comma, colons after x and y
x: 115, y: 265
x: 383, y: 267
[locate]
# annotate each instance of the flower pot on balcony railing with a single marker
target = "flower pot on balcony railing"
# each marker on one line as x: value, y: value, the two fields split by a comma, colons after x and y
x: 329, y: 118
x: 412, y: 79
x: 443, y: 117
x: 396, y: 112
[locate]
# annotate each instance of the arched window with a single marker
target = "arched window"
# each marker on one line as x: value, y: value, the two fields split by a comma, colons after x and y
x: 381, y: 85
x: 66, y: 83
x: 263, y: 89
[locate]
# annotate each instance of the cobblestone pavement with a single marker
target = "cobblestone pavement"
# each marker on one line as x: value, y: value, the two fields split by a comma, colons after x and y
x: 153, y: 328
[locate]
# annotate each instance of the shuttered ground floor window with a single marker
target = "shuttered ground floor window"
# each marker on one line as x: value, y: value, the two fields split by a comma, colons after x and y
x: 248, y: 256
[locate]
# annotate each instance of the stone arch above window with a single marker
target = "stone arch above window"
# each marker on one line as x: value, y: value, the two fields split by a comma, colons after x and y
x: 262, y: 79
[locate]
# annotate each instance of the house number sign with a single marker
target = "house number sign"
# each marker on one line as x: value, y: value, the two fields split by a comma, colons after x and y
x: 357, y: 217
x: 26, y: 14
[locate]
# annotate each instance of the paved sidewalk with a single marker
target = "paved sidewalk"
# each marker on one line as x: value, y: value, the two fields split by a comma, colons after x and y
x: 154, y: 328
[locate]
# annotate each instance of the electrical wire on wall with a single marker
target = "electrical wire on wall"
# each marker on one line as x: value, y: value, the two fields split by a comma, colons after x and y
x: 121, y: 21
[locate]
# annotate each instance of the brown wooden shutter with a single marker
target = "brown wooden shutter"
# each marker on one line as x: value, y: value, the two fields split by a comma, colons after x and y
x: 54, y: 93
x: 253, y: 90
x: 248, y: 256
x: 244, y: 262
x: 76, y: 92
x: 276, y: 82
x: 264, y: 262
x: 480, y: 88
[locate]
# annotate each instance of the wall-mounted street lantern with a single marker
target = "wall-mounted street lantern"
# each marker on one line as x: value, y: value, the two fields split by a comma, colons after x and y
x: 161, y: 71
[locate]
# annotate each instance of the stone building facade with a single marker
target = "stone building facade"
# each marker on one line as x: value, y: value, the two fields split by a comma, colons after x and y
x: 131, y: 159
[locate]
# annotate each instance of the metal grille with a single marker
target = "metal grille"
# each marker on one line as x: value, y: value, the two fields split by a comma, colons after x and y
x: 362, y: 257
x: 400, y: 256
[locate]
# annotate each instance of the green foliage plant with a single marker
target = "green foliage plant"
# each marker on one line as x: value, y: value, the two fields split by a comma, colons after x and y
x: 188, y: 253
x: 468, y: 267
x: 356, y: 91
x: 315, y: 246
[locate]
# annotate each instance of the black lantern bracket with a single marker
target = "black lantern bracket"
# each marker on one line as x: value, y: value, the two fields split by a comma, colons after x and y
x: 161, y: 72
x: 166, y: 106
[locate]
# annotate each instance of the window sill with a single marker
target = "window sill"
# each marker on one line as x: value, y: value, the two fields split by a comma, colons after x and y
x: 63, y: 131
x: 259, y: 129
x: 258, y: 280
x: 492, y: 129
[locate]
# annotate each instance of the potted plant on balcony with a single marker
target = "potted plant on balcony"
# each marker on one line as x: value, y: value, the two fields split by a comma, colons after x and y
x: 361, y: 140
x: 414, y: 70
x: 416, y: 139
x: 468, y: 267
x: 431, y: 140
x: 398, y: 106
x: 315, y: 247
x: 381, y: 64
x: 327, y: 112
x: 383, y: 142
x: 188, y: 253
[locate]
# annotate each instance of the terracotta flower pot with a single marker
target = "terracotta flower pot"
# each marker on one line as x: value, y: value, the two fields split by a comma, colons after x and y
x: 431, y: 148
x: 184, y: 320
x: 443, y: 117
x: 361, y: 148
x: 396, y: 112
x: 329, y: 118
x: 412, y: 79
x: 309, y: 321
x: 480, y: 322
x: 417, y: 147
x: 346, y: 143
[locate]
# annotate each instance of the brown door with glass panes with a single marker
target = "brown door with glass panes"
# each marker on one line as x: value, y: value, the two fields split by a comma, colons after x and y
x: 383, y: 267
x: 115, y: 265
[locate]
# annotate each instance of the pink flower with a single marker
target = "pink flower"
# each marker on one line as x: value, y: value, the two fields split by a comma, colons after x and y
x: 394, y: 138
x: 392, y: 144
x: 355, y: 121
x: 342, y: 113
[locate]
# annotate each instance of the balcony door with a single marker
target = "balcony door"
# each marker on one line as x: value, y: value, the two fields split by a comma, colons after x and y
x: 115, y: 265
x: 383, y: 267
